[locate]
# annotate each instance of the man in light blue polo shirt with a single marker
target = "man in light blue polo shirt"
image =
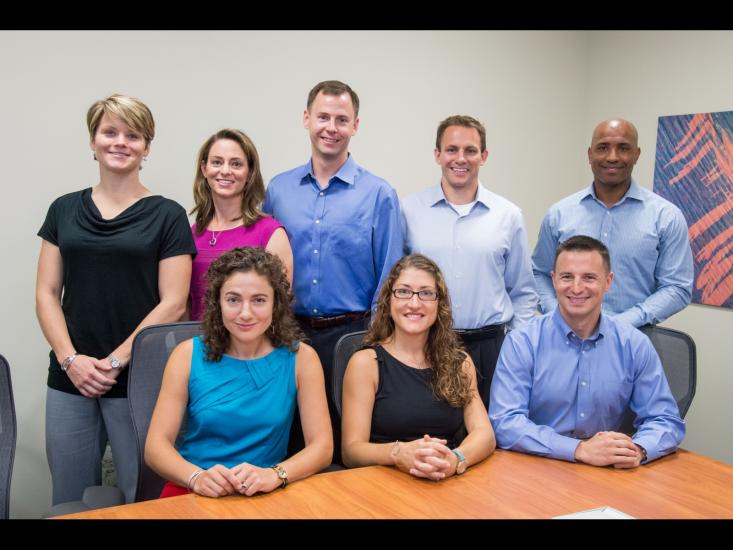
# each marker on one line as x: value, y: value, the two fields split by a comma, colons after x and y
x: 344, y: 227
x: 479, y: 241
x: 564, y: 381
x: 645, y: 233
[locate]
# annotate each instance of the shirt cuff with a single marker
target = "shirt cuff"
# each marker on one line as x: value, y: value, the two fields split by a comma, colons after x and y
x: 564, y: 447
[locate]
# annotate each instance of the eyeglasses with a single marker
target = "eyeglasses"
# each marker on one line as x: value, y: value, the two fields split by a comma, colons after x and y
x: 425, y: 295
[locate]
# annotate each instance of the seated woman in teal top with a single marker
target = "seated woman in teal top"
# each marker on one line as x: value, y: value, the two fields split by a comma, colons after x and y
x: 238, y: 385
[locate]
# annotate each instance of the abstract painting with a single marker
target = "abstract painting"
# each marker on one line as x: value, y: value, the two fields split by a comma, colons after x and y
x: 694, y: 170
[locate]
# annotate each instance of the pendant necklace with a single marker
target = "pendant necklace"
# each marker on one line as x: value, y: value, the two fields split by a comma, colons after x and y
x: 214, y: 236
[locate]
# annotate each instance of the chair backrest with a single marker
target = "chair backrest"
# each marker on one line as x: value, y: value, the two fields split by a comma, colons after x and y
x: 678, y: 355
x: 150, y: 351
x: 679, y: 358
x: 342, y: 352
x: 8, y: 434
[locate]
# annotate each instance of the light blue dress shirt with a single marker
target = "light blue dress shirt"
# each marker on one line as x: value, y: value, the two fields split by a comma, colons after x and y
x: 551, y: 389
x: 345, y: 238
x: 483, y: 255
x: 646, y: 236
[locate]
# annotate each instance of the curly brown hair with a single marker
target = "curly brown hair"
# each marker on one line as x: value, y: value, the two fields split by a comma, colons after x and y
x: 284, y: 330
x: 443, y: 351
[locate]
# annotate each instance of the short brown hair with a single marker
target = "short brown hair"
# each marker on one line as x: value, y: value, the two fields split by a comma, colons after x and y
x: 466, y: 122
x: 129, y: 110
x: 333, y: 87
x: 284, y: 330
x: 584, y: 243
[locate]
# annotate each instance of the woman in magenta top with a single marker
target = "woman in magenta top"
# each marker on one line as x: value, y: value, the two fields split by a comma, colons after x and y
x: 228, y: 190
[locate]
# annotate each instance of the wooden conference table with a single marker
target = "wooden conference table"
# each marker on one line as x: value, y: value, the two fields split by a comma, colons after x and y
x: 505, y: 485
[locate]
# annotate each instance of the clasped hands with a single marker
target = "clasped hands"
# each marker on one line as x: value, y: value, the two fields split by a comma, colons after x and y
x: 92, y: 377
x: 609, y: 449
x: 243, y: 479
x: 427, y: 458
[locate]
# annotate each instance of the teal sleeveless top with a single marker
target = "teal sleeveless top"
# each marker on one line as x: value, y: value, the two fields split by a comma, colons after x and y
x: 239, y: 410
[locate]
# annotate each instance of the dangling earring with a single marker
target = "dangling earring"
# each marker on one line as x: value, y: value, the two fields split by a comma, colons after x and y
x: 141, y: 165
x: 94, y: 155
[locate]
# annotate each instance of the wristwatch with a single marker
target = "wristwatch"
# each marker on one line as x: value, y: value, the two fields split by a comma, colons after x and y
x: 114, y: 362
x: 643, y: 453
x: 282, y: 474
x: 461, y: 466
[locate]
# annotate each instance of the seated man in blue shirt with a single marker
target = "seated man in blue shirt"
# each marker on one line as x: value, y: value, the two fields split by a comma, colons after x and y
x: 344, y: 225
x: 646, y: 234
x: 564, y: 381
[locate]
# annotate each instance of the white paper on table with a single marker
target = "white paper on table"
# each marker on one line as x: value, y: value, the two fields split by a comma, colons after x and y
x: 604, y: 512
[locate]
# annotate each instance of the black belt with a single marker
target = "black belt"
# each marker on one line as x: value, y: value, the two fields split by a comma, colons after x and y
x: 334, y: 321
x: 473, y: 334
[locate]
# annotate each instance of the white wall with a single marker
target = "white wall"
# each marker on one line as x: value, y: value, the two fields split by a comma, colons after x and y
x: 642, y: 76
x: 538, y: 93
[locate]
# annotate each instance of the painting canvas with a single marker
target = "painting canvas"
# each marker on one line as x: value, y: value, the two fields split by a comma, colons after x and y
x: 694, y: 170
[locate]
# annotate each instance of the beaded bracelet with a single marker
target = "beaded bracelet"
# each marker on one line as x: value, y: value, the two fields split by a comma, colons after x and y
x: 192, y: 479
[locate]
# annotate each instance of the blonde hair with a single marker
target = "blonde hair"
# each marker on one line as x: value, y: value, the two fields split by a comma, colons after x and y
x: 129, y: 110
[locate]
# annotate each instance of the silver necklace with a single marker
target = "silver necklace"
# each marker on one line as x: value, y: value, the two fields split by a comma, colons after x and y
x: 214, y: 236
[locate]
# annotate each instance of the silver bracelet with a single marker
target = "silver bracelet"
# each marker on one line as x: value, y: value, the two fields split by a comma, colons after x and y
x: 192, y: 479
x: 67, y: 362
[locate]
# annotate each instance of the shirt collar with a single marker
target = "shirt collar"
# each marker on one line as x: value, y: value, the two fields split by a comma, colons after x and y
x: 566, y: 331
x: 634, y: 192
x: 346, y: 174
x: 435, y: 195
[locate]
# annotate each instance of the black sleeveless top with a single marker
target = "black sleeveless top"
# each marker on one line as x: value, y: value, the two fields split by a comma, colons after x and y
x: 405, y: 407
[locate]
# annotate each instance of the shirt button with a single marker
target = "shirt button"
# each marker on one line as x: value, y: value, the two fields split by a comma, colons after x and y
x: 318, y: 221
x: 582, y: 415
x: 315, y: 251
x: 315, y: 281
x: 320, y: 194
x: 315, y: 310
x: 583, y: 384
x: 605, y: 234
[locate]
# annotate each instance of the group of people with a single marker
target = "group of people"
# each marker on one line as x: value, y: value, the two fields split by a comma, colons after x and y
x: 443, y: 282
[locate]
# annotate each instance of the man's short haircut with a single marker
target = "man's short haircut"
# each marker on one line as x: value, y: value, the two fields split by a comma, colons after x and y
x: 333, y: 87
x: 466, y: 122
x: 583, y: 243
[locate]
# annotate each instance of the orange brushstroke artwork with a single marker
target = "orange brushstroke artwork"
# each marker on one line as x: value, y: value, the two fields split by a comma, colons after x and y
x: 694, y: 170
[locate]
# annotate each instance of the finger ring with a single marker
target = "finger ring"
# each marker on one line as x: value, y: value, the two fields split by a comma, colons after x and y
x: 244, y: 486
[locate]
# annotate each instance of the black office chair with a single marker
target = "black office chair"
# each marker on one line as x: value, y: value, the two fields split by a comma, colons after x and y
x: 150, y: 351
x: 8, y: 434
x: 678, y: 354
x: 342, y: 352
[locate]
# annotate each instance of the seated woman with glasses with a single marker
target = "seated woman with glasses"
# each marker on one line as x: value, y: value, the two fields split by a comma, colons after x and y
x: 238, y: 385
x: 410, y: 397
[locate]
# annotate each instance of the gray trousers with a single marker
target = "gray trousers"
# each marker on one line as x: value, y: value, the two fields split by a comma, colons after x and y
x: 77, y: 431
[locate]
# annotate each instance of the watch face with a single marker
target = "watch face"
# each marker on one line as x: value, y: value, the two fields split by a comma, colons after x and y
x: 461, y: 467
x: 114, y: 362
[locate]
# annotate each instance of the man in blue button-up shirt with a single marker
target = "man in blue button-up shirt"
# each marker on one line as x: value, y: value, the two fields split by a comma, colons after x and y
x: 344, y: 226
x: 564, y: 382
x: 479, y: 241
x: 646, y: 234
